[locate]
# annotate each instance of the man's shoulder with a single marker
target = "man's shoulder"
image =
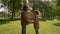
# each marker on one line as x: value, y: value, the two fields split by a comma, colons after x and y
x: 23, y: 13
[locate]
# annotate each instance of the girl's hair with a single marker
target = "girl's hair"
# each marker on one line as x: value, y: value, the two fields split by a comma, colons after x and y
x: 37, y: 12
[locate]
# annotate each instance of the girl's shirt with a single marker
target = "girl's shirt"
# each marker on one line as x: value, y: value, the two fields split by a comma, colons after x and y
x: 36, y: 21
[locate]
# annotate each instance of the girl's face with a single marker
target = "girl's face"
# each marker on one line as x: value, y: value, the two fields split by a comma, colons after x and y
x: 35, y: 12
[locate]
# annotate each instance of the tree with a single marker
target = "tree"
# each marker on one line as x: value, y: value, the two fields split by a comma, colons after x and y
x: 12, y: 5
x: 58, y: 2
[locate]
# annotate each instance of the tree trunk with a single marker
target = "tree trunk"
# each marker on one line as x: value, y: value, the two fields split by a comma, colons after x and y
x: 13, y: 10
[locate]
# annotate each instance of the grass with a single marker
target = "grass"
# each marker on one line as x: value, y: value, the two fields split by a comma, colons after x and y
x: 8, y: 26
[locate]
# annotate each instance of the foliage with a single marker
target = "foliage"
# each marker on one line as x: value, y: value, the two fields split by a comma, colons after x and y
x: 47, y: 8
x: 12, y: 6
x: 58, y: 2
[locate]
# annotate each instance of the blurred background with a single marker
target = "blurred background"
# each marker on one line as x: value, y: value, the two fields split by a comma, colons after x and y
x: 13, y: 8
x: 10, y: 14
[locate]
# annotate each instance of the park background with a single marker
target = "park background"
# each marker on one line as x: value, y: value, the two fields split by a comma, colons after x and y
x: 10, y: 15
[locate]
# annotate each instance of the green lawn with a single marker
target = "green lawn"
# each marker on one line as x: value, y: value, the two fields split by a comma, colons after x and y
x: 14, y: 27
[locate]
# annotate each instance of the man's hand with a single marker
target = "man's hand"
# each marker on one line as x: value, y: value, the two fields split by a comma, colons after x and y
x: 31, y: 22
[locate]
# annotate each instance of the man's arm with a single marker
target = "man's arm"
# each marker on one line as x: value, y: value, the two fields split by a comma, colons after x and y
x: 26, y: 18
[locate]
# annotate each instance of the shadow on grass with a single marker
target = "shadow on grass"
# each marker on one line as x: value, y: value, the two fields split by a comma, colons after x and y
x: 4, y: 21
x: 57, y: 24
x: 41, y: 19
x: 44, y: 19
x: 58, y: 19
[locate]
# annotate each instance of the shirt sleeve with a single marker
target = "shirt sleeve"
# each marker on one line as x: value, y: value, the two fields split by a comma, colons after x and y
x: 25, y: 18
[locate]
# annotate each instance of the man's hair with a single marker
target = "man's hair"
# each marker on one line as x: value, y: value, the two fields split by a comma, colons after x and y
x: 25, y: 7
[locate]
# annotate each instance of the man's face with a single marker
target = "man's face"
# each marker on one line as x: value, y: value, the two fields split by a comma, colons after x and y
x: 26, y: 9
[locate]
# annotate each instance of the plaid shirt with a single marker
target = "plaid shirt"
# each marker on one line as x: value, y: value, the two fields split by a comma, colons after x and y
x: 36, y: 22
x: 24, y: 18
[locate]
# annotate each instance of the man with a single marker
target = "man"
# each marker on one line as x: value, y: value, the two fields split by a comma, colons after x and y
x: 24, y: 19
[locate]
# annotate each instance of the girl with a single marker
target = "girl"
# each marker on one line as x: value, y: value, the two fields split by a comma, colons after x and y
x: 36, y: 22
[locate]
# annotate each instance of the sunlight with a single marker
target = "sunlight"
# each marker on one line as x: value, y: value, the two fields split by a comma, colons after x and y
x: 2, y: 9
